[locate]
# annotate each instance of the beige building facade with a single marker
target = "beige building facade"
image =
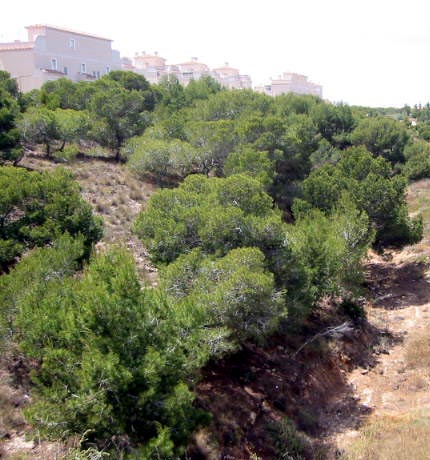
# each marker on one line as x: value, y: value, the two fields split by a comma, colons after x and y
x: 154, y: 68
x: 52, y: 52
x: 231, y: 78
x: 290, y: 82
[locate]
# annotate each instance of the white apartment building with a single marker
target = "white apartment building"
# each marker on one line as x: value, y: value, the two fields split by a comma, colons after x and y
x: 231, y: 78
x: 52, y: 52
x: 290, y: 82
x: 154, y: 68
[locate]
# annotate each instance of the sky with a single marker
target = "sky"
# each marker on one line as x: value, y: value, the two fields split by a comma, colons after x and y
x: 368, y: 52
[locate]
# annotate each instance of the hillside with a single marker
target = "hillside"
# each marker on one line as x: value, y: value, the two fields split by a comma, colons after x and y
x: 337, y: 390
x: 115, y: 194
x: 362, y: 396
x: 204, y: 273
x: 396, y: 389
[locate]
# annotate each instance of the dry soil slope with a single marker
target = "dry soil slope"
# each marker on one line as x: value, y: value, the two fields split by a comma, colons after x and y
x: 397, y: 389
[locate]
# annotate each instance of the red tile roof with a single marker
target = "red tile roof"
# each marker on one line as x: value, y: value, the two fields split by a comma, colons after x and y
x: 16, y: 46
x: 62, y: 29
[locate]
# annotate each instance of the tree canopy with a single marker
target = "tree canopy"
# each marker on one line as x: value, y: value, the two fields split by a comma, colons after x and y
x: 35, y: 208
x: 10, y: 149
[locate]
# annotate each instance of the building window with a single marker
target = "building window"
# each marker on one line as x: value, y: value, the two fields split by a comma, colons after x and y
x: 66, y: 71
x: 83, y: 68
x: 54, y: 64
x: 98, y: 74
x: 72, y: 43
x: 107, y: 69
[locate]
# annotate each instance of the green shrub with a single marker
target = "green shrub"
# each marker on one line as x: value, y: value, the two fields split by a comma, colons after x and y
x: 235, y: 291
x: 68, y: 154
x: 251, y: 162
x: 287, y: 442
x: 35, y: 208
x: 10, y: 149
x: 215, y: 214
x: 372, y: 188
x: 114, y: 360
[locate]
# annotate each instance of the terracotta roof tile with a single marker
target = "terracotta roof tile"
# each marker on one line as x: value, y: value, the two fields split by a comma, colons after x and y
x: 62, y: 29
x: 16, y: 46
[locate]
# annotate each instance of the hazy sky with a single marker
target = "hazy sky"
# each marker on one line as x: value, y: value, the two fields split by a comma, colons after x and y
x: 367, y: 52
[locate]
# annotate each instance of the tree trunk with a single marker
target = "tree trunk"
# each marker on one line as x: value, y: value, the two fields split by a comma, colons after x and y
x: 118, y: 155
x: 19, y: 158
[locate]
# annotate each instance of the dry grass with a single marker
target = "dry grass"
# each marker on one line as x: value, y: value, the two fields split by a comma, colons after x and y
x: 400, y: 426
x: 417, y: 383
x: 418, y: 199
x: 11, y: 418
x: 387, y: 438
x: 418, y: 351
x: 116, y: 195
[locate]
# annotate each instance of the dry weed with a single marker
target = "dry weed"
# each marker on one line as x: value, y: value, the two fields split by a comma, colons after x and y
x: 388, y: 438
x: 10, y: 414
x: 418, y: 352
x: 102, y: 207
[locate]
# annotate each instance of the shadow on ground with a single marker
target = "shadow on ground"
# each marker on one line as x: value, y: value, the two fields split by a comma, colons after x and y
x: 251, y: 393
x: 395, y: 286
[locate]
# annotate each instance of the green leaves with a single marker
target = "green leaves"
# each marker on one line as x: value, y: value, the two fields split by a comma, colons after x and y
x: 369, y: 183
x: 38, y: 126
x: 9, y: 110
x: 35, y: 208
x: 215, y: 214
x: 235, y: 292
x: 159, y: 158
x: 383, y: 137
x: 108, y: 111
x: 251, y: 162
x: 331, y: 248
x: 122, y: 112
x: 115, y: 359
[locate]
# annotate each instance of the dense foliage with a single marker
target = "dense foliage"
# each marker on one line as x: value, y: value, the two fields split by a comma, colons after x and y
x: 319, y: 255
x: 215, y: 214
x: 35, y: 208
x: 371, y: 186
x: 115, y: 361
x: 9, y: 110
x: 107, y: 112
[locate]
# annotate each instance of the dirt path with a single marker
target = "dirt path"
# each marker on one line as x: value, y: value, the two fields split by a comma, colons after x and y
x: 398, y: 384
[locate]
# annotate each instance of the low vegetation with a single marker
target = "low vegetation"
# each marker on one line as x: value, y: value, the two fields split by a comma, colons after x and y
x: 402, y: 436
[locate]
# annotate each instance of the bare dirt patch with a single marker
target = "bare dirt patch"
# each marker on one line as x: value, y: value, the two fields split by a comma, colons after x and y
x: 254, y: 392
x: 397, y: 387
x: 116, y: 195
